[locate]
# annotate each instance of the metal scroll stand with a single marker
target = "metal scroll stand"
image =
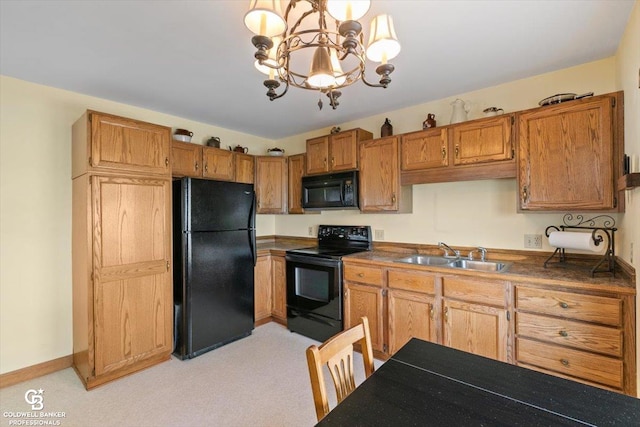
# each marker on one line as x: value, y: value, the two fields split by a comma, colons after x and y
x: 598, y: 233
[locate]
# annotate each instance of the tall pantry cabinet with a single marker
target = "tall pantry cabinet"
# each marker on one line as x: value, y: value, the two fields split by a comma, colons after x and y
x: 121, y: 246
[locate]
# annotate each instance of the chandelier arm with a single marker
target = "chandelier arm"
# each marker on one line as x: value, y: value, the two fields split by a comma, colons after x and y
x: 299, y: 21
x: 364, y: 80
x: 286, y: 88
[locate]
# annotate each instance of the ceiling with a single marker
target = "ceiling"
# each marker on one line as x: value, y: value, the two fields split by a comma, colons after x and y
x: 194, y: 59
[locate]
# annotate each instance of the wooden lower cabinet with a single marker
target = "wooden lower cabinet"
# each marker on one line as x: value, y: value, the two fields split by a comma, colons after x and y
x: 580, y: 335
x: 475, y: 316
x: 279, y: 286
x: 411, y: 315
x: 262, y: 290
x: 270, y: 289
x: 364, y: 300
x: 122, y: 280
x: 475, y: 328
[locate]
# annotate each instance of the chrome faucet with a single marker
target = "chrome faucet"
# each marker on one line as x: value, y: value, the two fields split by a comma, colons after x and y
x: 446, y: 248
x: 483, y: 253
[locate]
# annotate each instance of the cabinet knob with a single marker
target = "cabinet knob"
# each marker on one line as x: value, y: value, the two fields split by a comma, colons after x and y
x: 446, y: 314
x: 206, y: 167
x: 444, y: 153
x: 525, y: 194
x: 565, y: 362
x: 431, y: 311
x: 393, y: 198
x: 333, y: 161
x: 166, y: 161
x: 564, y: 305
x: 564, y: 334
x: 197, y: 166
x: 168, y: 265
x: 457, y: 151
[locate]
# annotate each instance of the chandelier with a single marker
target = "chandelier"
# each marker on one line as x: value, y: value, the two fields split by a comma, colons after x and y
x: 298, y: 49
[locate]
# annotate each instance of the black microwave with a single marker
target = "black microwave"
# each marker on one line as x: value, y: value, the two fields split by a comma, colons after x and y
x: 332, y: 191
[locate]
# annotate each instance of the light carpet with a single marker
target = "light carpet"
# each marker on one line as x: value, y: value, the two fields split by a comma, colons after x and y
x: 261, y: 380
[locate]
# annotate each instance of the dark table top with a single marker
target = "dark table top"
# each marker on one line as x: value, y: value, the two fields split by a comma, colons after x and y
x: 429, y: 384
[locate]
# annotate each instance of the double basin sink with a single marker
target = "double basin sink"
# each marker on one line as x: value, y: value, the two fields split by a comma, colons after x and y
x: 457, y: 262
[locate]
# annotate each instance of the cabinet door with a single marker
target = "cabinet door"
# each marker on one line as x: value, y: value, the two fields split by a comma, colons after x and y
x: 262, y: 289
x: 126, y: 144
x: 343, y: 149
x: 411, y: 315
x: 318, y: 155
x: 481, y: 141
x: 279, y: 279
x: 186, y: 159
x: 566, y: 156
x: 296, y: 170
x: 363, y: 300
x: 218, y: 164
x: 131, y: 270
x: 424, y: 150
x: 379, y: 175
x: 245, y: 166
x: 476, y: 328
x: 271, y: 184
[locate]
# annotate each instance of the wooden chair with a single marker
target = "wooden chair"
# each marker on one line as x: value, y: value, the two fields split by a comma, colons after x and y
x: 337, y: 354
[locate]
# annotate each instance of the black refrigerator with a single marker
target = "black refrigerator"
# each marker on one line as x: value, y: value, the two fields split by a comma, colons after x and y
x: 214, y: 252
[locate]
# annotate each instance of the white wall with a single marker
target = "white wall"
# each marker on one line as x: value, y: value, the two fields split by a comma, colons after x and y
x: 628, y: 79
x: 35, y: 212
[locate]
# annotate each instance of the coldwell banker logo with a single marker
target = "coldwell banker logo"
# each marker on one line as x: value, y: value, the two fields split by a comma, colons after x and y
x: 35, y: 399
x: 35, y: 417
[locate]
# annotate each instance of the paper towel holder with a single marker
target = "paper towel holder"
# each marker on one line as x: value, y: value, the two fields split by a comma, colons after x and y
x: 602, y: 232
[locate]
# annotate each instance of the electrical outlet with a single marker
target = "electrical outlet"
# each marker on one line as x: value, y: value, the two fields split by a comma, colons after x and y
x: 378, y: 234
x: 311, y: 230
x: 533, y: 241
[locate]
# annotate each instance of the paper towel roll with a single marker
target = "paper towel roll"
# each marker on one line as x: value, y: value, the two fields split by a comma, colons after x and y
x: 574, y: 240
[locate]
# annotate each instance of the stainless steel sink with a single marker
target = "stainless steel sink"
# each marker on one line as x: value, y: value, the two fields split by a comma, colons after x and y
x: 426, y: 260
x: 467, y: 264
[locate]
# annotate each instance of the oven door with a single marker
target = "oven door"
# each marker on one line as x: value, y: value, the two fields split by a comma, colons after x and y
x: 314, y: 285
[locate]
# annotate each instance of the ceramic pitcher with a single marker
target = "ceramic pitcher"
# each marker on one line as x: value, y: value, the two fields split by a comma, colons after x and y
x: 460, y: 110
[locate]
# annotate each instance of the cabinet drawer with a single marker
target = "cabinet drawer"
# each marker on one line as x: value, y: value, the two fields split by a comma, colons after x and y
x: 583, y: 336
x: 362, y: 274
x: 412, y: 281
x: 591, y: 367
x: 486, y: 292
x: 588, y: 308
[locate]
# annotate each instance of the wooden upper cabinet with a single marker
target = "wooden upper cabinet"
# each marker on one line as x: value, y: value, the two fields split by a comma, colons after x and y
x: 379, y: 175
x: 318, y: 155
x: 218, y: 164
x: 245, y: 167
x: 425, y: 150
x: 336, y: 152
x: 480, y: 141
x: 103, y: 142
x: 343, y: 150
x: 186, y: 159
x: 568, y: 155
x: 271, y: 184
x: 296, y: 171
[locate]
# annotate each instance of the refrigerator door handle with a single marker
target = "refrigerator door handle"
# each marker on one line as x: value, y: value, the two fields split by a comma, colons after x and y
x: 252, y: 212
x: 252, y: 241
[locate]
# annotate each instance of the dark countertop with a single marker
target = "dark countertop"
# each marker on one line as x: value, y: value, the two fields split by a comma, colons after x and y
x: 524, y: 269
x: 430, y: 384
x: 575, y: 273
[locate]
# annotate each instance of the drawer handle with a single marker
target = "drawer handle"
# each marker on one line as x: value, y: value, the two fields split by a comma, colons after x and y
x: 565, y: 362
x: 564, y: 333
x: 360, y: 274
x: 564, y: 305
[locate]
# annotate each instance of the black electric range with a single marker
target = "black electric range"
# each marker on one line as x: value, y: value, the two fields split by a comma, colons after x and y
x: 314, y: 280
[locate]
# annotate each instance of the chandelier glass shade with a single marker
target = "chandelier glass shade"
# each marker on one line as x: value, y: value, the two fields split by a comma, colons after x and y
x: 319, y: 45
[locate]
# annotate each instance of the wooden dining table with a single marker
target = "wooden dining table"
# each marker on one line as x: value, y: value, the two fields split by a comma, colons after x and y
x: 426, y: 384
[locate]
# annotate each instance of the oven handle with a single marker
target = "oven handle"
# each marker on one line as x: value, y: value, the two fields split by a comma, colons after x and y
x: 310, y: 260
